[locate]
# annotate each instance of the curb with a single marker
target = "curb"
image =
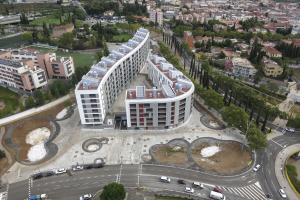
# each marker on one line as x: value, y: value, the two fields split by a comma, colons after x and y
x: 286, y: 174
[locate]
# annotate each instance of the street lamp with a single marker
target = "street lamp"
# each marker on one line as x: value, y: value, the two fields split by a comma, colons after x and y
x: 248, y: 126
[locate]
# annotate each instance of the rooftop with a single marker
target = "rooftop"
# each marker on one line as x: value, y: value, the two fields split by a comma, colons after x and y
x: 271, y: 50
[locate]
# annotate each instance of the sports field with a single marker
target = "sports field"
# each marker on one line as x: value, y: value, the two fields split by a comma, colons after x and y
x: 126, y: 37
x: 12, y: 42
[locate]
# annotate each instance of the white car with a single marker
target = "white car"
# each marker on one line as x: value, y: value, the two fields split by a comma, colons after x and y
x: 153, y: 39
x: 189, y: 190
x: 282, y: 193
x: 61, y: 171
x: 256, y: 168
x: 85, y: 197
x: 77, y: 168
x: 290, y: 130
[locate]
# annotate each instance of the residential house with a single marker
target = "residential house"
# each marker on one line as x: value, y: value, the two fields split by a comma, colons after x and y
x: 271, y: 52
x: 216, y: 51
x: 243, y: 67
x: 260, y: 41
x: 219, y: 27
x: 109, y: 13
x: 218, y: 39
x: 228, y: 65
x: 271, y: 68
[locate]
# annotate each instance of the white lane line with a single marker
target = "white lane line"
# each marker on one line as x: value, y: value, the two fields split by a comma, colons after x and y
x: 246, y: 192
x: 254, y: 191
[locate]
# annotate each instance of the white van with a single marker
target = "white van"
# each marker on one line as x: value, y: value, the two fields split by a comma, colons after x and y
x: 165, y: 179
x: 216, y: 195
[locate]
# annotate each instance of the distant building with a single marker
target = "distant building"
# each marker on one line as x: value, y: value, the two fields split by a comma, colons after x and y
x: 170, y: 14
x: 296, y: 42
x: 258, y: 40
x: 295, y: 30
x: 243, y: 67
x: 188, y: 37
x: 156, y: 15
x: 58, y: 31
x: 109, y: 13
x: 271, y: 68
x: 272, y: 52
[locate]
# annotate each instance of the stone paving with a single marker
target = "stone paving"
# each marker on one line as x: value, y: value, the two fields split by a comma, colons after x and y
x: 123, y: 146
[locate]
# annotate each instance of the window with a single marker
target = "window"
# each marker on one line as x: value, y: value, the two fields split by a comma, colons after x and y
x: 82, y: 96
x: 82, y: 101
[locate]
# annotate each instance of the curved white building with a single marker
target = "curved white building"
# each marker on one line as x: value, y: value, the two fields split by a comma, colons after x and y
x: 98, y: 89
x: 167, y: 105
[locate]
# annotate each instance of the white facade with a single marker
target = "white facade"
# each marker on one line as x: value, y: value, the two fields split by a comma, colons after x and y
x: 243, y: 67
x: 167, y: 105
x: 98, y: 89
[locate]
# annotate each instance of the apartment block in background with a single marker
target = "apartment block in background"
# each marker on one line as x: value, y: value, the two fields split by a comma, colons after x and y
x: 99, y: 88
x: 243, y: 67
x: 21, y: 74
x: 167, y: 105
x: 188, y: 37
x: 156, y: 15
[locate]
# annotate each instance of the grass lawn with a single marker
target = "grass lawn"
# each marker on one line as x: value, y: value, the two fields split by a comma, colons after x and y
x: 12, y: 42
x: 126, y: 37
x: 9, y: 98
x: 48, y: 19
x: 80, y: 60
x: 297, y: 73
x: 41, y: 49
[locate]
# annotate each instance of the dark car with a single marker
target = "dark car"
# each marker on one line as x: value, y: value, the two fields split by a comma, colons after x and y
x: 37, y: 176
x: 50, y: 173
x: 88, y: 167
x: 218, y: 190
x: 180, y: 181
x: 261, y: 120
x: 98, y: 166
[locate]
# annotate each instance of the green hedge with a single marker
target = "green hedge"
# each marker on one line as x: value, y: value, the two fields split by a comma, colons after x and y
x: 292, y: 173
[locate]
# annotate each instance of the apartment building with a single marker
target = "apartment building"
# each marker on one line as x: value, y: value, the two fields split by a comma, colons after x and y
x: 243, y: 67
x: 156, y: 15
x: 98, y: 89
x: 272, y: 52
x: 21, y: 74
x: 167, y: 105
x: 271, y: 68
x: 188, y: 37
x: 54, y: 66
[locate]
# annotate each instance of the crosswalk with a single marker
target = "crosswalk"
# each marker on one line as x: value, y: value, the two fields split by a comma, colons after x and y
x: 251, y: 192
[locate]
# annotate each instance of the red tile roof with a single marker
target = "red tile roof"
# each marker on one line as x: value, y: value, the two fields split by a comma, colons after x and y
x: 271, y: 50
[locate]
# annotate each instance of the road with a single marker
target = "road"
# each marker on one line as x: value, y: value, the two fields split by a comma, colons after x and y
x: 91, y: 181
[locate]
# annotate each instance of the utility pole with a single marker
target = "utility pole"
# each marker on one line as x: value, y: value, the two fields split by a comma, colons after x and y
x: 248, y: 126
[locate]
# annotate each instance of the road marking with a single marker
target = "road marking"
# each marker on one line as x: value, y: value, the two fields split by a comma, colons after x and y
x: 276, y: 143
x: 95, y: 176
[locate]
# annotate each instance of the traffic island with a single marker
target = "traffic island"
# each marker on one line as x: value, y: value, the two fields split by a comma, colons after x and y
x: 94, y: 144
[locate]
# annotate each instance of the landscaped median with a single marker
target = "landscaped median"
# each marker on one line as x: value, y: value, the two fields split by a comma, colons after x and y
x: 291, y: 174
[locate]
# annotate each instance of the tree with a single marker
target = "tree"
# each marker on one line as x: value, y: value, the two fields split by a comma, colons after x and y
x: 21, y: 106
x: 2, y: 154
x: 27, y: 36
x: 74, y: 79
x: 197, y: 45
x: 240, y: 77
x: 273, y: 87
x: 68, y: 104
x: 56, y: 94
x: 1, y: 114
x: 256, y: 138
x: 106, y: 51
x: 222, y: 55
x: 246, y: 79
x: 213, y: 99
x: 66, y: 40
x: 98, y: 56
x: 41, y: 97
x: 49, y: 95
x: 235, y: 116
x: 113, y: 191
x: 31, y: 102
x: 263, y: 88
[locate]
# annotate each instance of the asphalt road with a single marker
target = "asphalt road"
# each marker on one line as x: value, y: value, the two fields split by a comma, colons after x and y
x: 91, y: 181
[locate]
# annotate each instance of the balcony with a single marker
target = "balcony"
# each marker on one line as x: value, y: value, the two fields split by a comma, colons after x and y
x: 133, y: 121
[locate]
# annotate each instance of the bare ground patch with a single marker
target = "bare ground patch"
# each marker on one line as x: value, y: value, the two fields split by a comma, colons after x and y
x: 20, y: 132
x: 167, y: 154
x: 229, y: 160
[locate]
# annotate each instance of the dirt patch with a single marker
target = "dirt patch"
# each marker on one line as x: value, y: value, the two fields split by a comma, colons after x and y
x: 167, y: 154
x: 229, y: 160
x: 3, y: 165
x: 20, y: 132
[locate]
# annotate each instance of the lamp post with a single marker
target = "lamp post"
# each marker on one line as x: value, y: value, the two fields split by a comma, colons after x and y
x: 248, y: 126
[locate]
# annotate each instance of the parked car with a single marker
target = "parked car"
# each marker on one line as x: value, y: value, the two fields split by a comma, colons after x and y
x: 180, y: 181
x: 50, y: 173
x: 256, y: 168
x: 88, y: 166
x: 85, y: 197
x: 189, y: 190
x: 261, y: 120
x: 98, y: 166
x: 77, y: 168
x: 290, y: 130
x: 61, y: 171
x: 218, y: 190
x: 37, y: 176
x: 282, y: 193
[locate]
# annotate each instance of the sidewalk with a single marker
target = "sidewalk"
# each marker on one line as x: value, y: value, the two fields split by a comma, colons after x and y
x: 280, y: 174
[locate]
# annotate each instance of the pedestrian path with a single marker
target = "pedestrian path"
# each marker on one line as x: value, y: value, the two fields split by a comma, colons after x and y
x: 251, y: 192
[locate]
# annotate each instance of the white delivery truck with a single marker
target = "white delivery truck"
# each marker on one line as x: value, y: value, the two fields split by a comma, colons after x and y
x: 217, y: 195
